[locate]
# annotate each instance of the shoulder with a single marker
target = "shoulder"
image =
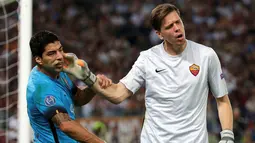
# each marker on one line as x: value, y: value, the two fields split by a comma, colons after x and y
x: 44, y: 90
x: 197, y: 46
x: 33, y: 80
x: 200, y: 48
x: 152, y: 51
x: 38, y: 82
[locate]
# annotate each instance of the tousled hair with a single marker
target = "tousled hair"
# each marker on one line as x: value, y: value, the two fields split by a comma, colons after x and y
x: 160, y: 12
x: 40, y: 40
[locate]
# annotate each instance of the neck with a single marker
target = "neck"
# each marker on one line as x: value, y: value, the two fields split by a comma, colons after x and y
x: 49, y: 73
x: 174, y: 49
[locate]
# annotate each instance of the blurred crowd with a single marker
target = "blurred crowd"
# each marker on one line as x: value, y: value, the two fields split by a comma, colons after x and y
x: 8, y: 71
x: 109, y: 35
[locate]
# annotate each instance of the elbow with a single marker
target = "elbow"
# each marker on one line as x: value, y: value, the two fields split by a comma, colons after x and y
x: 118, y: 99
x: 80, y: 103
x: 114, y: 100
x: 76, y: 103
x: 117, y: 93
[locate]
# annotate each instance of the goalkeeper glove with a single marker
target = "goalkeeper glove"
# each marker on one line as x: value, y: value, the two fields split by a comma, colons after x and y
x: 78, y: 68
x: 227, y: 136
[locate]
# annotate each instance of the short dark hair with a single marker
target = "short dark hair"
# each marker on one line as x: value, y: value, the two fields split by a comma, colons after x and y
x: 40, y: 40
x: 160, y: 12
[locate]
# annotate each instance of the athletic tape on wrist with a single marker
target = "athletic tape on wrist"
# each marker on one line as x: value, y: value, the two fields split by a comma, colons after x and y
x: 90, y: 80
x: 227, y: 134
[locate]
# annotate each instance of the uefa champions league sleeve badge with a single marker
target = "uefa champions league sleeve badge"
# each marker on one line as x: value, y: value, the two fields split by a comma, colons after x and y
x: 50, y: 100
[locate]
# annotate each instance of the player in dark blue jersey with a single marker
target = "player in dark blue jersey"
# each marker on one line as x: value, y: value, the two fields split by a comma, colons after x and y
x: 51, y: 95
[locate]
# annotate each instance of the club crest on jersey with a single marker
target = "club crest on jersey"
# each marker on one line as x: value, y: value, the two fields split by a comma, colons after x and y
x: 194, y: 69
x: 50, y: 100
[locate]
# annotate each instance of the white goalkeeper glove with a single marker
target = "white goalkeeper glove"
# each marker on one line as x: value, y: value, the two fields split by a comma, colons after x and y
x: 227, y: 136
x: 78, y: 68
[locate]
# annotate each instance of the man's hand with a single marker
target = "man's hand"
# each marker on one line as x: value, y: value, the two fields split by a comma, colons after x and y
x: 103, y: 81
x: 227, y: 136
x: 78, y: 68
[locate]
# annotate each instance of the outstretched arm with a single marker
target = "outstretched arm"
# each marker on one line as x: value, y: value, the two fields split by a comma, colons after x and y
x: 115, y: 93
x: 84, y: 95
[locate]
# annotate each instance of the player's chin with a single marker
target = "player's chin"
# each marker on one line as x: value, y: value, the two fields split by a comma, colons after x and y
x: 180, y: 41
x: 59, y: 68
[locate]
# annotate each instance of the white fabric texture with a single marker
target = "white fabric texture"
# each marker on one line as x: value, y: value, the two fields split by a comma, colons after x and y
x: 176, y: 92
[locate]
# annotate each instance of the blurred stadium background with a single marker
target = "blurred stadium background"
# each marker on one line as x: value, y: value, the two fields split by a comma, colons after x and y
x: 109, y: 34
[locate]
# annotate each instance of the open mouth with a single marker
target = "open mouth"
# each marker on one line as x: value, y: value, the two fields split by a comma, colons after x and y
x: 59, y: 65
x: 179, y: 36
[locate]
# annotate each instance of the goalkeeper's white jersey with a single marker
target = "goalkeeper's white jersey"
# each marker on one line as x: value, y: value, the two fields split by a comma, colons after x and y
x: 176, y: 92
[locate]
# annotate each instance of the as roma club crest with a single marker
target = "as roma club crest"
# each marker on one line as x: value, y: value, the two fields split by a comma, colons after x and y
x: 194, y: 69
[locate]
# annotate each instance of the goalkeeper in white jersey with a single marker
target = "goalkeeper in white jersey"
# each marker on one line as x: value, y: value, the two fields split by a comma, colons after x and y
x: 177, y: 75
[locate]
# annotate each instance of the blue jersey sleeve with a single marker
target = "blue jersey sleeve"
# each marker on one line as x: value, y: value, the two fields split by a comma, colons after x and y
x: 48, y: 100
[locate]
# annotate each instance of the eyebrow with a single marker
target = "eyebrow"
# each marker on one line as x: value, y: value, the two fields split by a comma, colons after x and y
x: 169, y: 25
x: 60, y: 47
x: 55, y: 50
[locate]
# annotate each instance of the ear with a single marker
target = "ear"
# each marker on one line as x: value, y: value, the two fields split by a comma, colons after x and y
x: 38, y: 60
x: 159, y: 35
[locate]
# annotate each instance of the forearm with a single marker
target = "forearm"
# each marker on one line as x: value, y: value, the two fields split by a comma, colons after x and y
x: 83, y: 96
x: 115, y: 93
x: 226, y: 119
x: 225, y: 115
x: 78, y: 133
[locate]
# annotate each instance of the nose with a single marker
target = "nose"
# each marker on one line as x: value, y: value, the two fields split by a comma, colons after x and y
x: 176, y: 28
x: 59, y: 55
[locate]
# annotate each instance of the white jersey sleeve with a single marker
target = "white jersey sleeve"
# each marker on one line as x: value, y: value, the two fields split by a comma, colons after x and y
x: 135, y: 78
x: 216, y: 79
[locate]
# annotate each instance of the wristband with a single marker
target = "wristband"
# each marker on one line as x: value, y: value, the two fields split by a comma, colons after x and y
x: 90, y: 80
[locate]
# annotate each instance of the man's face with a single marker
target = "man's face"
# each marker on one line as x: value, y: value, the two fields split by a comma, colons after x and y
x: 172, y: 29
x: 52, y: 58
